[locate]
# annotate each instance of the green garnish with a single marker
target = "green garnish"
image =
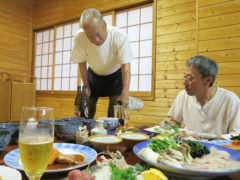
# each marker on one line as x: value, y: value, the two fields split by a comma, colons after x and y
x: 158, y: 145
x: 139, y: 168
x: 235, y: 137
x: 197, y: 149
x: 126, y: 174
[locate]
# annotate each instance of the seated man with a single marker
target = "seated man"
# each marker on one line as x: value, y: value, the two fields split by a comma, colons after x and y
x: 202, y: 107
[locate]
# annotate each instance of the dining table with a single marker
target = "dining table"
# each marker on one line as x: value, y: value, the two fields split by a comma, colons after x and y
x: 128, y: 154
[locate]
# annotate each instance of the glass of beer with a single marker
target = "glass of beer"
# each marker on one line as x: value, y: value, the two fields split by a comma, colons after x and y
x: 36, y: 136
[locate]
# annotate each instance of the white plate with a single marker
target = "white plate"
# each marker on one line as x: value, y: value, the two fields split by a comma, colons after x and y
x: 7, y: 173
x: 134, y: 136
x: 152, y: 129
x: 206, y: 135
x: 228, y: 136
x: 106, y: 139
x: 189, y: 173
x: 12, y: 158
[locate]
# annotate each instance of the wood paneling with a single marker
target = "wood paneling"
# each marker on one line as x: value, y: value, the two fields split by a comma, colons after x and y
x: 182, y: 31
x: 16, y: 36
x: 176, y: 46
x: 224, y: 55
x: 50, y: 12
x: 173, y: 3
x: 175, y: 56
x: 5, y: 97
x: 189, y: 16
x: 176, y: 37
x: 220, y: 32
x: 212, y: 2
x: 220, y: 8
x: 219, y: 37
x: 174, y: 28
x: 219, y: 21
x: 219, y: 44
x: 178, y: 9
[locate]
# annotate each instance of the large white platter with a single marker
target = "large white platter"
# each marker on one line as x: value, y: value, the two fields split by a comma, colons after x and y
x: 188, y: 173
x: 12, y: 159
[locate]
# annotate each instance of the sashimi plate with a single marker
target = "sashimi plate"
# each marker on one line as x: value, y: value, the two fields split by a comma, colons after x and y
x: 188, y: 173
x: 12, y: 159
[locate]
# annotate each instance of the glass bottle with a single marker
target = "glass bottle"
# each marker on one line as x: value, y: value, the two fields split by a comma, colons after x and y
x: 77, y: 103
x: 99, y: 129
x: 133, y: 104
x: 84, y: 104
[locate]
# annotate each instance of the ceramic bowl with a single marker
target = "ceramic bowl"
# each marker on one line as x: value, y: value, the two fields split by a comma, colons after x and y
x: 13, y: 128
x: 5, y: 137
x: 109, y: 122
x: 73, y: 119
x: 90, y: 123
x: 105, y: 142
x: 67, y: 130
x: 130, y: 139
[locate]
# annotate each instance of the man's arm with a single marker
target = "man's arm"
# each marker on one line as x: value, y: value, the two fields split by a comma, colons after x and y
x: 83, y: 71
x: 126, y: 76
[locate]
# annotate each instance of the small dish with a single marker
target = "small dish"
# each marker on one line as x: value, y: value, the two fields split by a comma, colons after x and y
x: 130, y: 139
x: 9, y: 173
x: 109, y: 122
x: 105, y: 142
x: 67, y: 128
x: 207, y: 135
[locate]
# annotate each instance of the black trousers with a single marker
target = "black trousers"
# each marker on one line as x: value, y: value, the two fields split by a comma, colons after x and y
x: 103, y: 86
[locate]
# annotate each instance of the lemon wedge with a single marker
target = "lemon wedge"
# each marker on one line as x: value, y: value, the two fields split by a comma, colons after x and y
x: 153, y: 174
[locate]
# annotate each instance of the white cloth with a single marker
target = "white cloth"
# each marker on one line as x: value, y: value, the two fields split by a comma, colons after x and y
x: 107, y: 58
x: 220, y: 115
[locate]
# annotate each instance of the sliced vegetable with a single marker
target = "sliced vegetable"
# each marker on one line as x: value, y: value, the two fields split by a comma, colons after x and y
x: 53, y: 157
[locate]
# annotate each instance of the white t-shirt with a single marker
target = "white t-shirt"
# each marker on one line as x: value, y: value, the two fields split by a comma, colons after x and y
x: 220, y: 115
x: 104, y: 59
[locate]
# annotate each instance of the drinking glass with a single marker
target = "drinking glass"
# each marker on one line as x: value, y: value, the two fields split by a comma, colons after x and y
x: 119, y: 113
x: 127, y: 115
x: 36, y: 136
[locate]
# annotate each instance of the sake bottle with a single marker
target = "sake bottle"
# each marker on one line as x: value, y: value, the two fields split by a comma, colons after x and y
x: 77, y: 103
x: 84, y: 103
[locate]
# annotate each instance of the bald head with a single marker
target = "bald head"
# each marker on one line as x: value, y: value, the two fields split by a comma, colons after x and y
x: 90, y: 15
x: 94, y: 26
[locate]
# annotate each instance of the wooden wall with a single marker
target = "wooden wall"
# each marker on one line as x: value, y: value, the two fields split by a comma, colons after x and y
x: 16, y: 36
x: 184, y: 28
x: 49, y: 12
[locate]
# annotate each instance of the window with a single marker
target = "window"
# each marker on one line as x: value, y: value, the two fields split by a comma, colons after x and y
x: 52, y: 59
x: 65, y: 72
x: 138, y: 23
x: 44, y: 59
x: 54, y: 71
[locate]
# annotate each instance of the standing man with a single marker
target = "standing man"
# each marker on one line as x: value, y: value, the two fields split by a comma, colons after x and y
x: 203, y: 107
x: 107, y: 51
